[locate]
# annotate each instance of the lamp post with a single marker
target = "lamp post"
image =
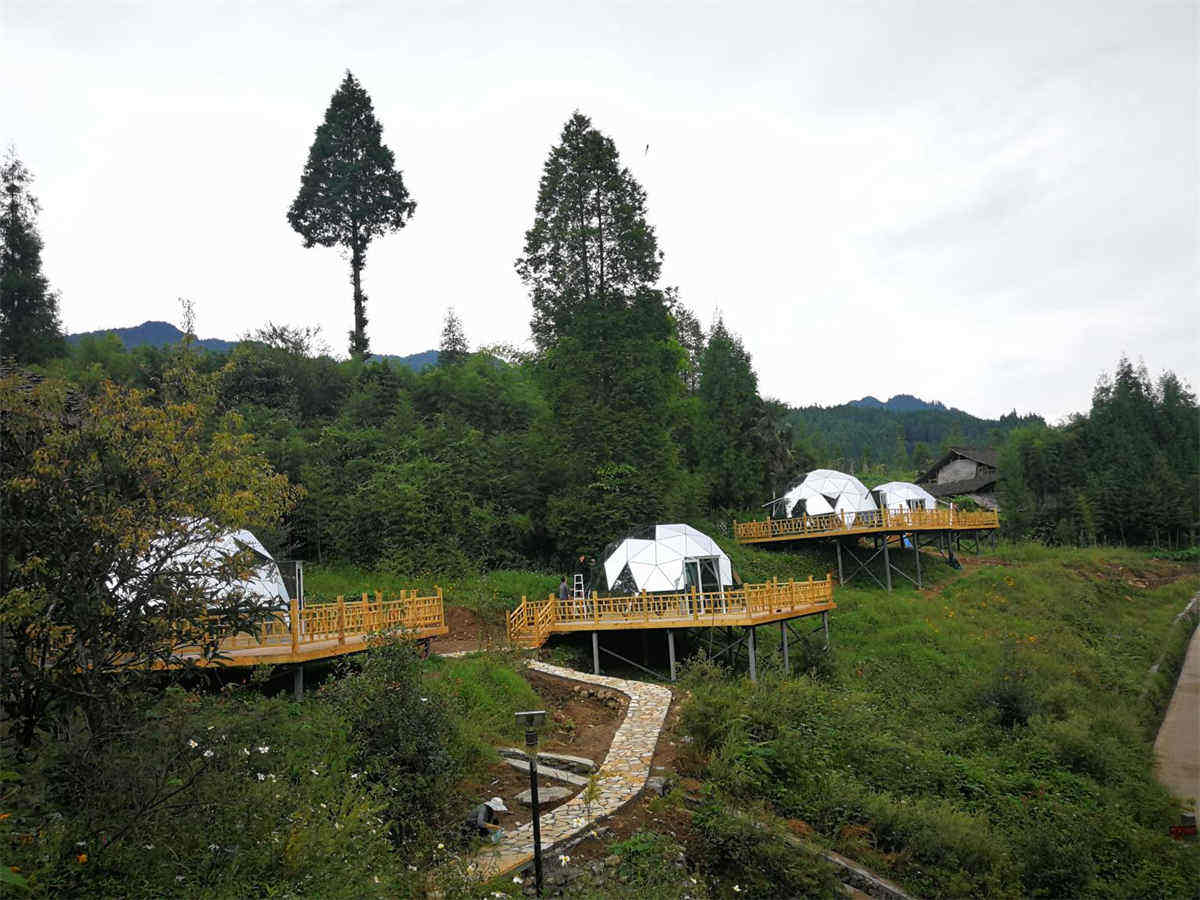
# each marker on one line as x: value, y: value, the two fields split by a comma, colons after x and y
x: 532, y: 720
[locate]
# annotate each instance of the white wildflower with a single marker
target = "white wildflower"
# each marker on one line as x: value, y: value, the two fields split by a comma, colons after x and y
x: 737, y: 889
x: 245, y: 751
x: 564, y: 859
x: 263, y: 749
x: 441, y: 846
x: 262, y: 777
x: 214, y: 847
x: 192, y: 744
x: 208, y: 754
x: 412, y: 868
x: 314, y: 771
x: 518, y: 880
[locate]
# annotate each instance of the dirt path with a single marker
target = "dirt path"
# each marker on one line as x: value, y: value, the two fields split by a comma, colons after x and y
x: 1177, y: 746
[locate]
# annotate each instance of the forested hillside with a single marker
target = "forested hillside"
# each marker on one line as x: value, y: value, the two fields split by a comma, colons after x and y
x: 905, y: 431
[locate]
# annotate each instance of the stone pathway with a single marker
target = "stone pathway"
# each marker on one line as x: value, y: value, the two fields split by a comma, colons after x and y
x: 1177, y: 746
x: 622, y: 775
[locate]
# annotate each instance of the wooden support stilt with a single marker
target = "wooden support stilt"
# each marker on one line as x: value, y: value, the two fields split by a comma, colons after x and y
x: 917, y: 557
x: 825, y: 623
x: 753, y: 667
x: 671, y: 651
x: 838, y: 544
x: 887, y: 564
x: 595, y: 653
x: 298, y: 681
x: 783, y: 639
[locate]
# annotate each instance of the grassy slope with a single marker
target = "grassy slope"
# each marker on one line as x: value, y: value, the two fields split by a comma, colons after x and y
x: 901, y: 758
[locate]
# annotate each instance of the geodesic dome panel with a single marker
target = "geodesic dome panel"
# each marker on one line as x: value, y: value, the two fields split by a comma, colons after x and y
x: 902, y: 495
x: 827, y: 491
x: 656, y: 560
x: 206, y: 551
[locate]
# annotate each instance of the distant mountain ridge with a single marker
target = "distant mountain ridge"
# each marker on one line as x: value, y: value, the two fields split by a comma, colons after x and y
x: 897, y: 403
x: 163, y: 334
x: 152, y: 334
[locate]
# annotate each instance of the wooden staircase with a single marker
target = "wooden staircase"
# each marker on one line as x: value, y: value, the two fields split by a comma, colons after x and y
x: 529, y: 624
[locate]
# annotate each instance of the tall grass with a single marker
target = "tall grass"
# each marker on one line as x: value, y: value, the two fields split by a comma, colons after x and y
x: 992, y: 738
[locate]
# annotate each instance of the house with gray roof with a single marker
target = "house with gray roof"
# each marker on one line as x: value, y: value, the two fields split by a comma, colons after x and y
x: 964, y: 472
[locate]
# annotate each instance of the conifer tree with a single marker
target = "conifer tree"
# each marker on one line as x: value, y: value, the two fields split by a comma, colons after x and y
x: 350, y: 191
x: 610, y: 364
x: 454, y: 348
x: 590, y: 245
x: 730, y: 410
x: 29, y: 324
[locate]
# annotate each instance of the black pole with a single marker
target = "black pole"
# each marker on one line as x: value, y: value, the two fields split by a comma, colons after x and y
x: 531, y: 743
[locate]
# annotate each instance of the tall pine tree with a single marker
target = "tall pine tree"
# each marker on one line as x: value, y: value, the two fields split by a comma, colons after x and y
x: 29, y: 324
x: 350, y: 191
x: 610, y: 363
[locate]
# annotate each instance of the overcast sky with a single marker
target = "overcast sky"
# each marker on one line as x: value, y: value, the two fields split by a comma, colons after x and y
x: 980, y: 203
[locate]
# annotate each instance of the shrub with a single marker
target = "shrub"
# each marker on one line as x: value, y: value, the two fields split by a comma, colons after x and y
x: 404, y: 733
x: 758, y: 858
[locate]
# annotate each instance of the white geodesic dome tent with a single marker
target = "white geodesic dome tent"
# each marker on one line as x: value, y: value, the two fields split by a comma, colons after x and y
x: 204, y: 558
x: 666, y: 558
x: 902, y: 495
x: 824, y: 491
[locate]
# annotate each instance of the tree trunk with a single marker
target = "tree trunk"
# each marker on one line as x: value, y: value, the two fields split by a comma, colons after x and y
x: 358, y: 338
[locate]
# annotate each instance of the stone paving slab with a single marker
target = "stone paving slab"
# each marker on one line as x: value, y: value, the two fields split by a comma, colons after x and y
x: 622, y: 774
x: 548, y: 772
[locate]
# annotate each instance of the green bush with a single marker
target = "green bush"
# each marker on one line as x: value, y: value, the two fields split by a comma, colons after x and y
x: 736, y: 850
x: 405, y: 736
x: 203, y: 795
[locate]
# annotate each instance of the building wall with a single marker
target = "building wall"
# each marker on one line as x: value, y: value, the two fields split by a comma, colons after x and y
x: 957, y: 470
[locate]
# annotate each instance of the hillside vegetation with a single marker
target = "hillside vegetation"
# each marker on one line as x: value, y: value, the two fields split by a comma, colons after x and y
x: 992, y: 738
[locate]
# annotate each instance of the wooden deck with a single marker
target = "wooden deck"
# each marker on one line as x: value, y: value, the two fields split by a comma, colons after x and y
x: 753, y: 604
x: 323, y: 631
x: 877, y: 521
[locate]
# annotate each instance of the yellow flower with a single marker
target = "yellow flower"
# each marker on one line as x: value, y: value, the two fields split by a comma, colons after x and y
x: 81, y: 858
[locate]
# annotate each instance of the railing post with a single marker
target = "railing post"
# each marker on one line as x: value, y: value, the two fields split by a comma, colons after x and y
x: 341, y: 603
x: 295, y: 626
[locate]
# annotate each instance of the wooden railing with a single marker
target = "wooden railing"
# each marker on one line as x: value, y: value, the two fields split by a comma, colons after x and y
x: 530, y: 623
x: 325, y: 623
x: 876, y: 520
